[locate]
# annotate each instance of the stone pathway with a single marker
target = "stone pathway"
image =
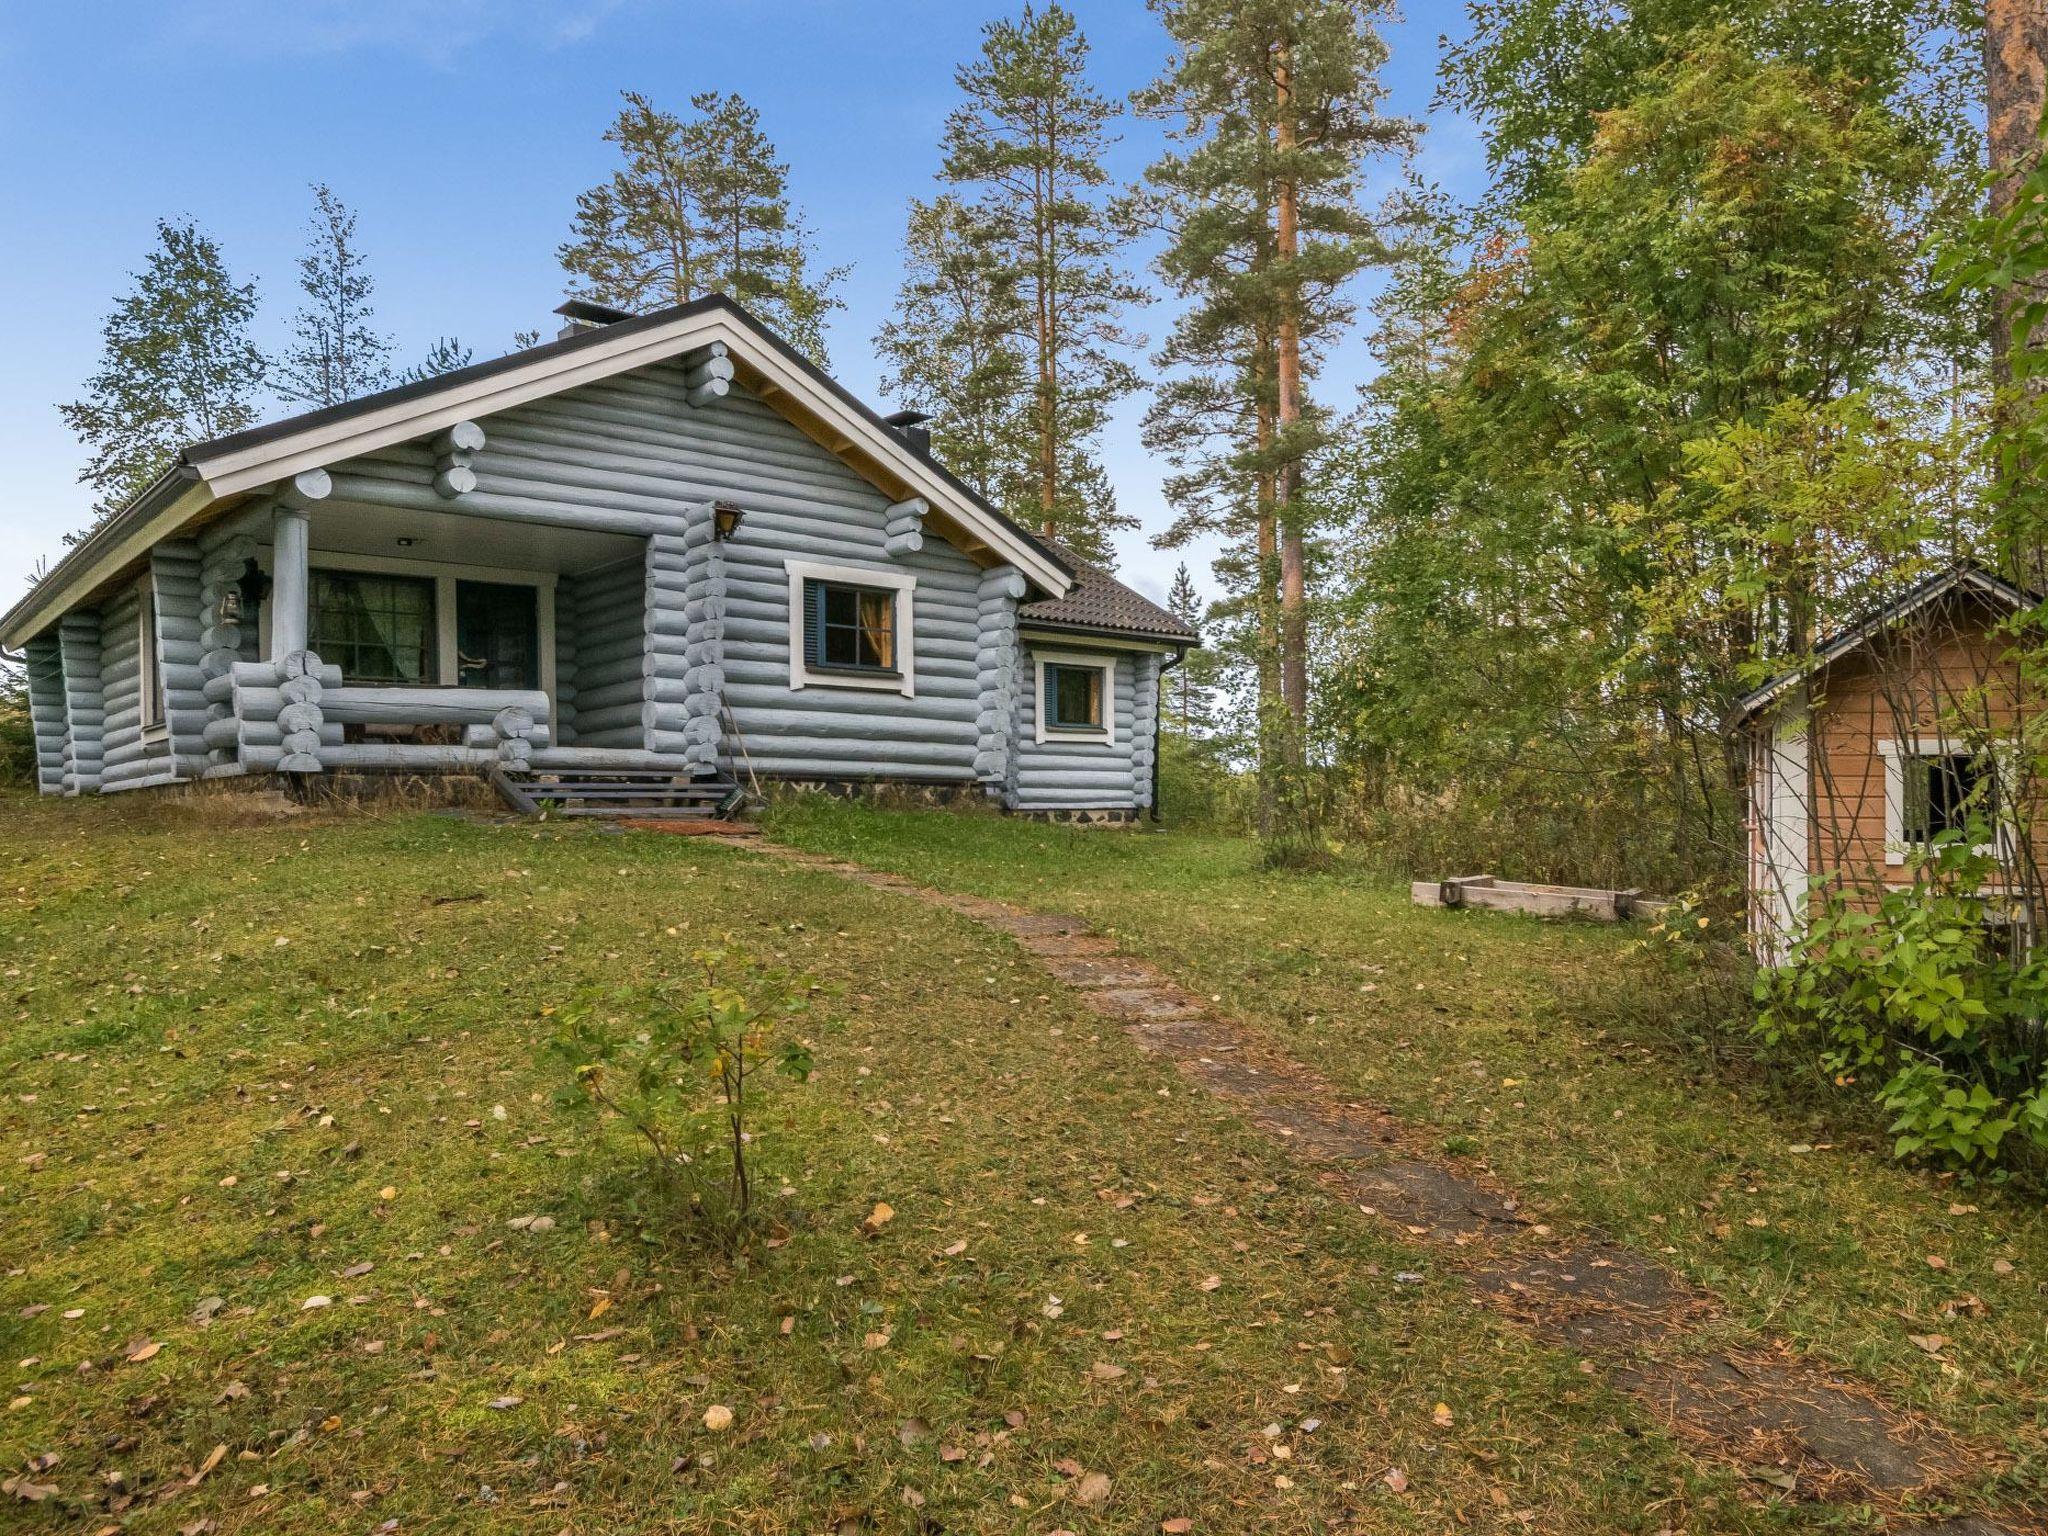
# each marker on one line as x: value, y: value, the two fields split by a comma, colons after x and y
x: 1788, y: 1423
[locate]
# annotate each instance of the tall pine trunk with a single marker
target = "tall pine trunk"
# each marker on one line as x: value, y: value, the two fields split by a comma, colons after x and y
x: 1270, y: 707
x: 2015, y: 53
x: 1287, y: 365
x: 2015, y: 56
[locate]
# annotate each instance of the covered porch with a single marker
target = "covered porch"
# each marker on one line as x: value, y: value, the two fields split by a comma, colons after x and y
x: 345, y: 634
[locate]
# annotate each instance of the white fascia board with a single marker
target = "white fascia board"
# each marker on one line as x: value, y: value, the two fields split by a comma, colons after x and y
x: 67, y: 587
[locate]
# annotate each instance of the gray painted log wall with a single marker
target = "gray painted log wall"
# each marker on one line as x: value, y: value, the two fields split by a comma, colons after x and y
x: 1075, y: 775
x: 610, y: 682
x: 631, y: 455
x: 568, y: 607
x: 174, y: 570
x: 46, y: 710
x: 85, y: 714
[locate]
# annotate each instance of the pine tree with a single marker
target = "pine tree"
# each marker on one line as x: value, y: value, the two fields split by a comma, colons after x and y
x: 952, y: 349
x: 336, y: 355
x: 1187, y: 707
x: 1278, y: 102
x: 176, y: 367
x: 1026, y: 150
x: 700, y: 206
x: 445, y: 356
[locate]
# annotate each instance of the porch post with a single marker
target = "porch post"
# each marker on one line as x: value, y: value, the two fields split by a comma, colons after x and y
x: 291, y: 541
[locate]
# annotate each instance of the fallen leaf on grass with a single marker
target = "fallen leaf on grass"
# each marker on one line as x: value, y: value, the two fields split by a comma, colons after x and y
x: 717, y: 1417
x: 500, y: 1404
x: 1210, y: 1283
x: 2001, y: 1266
x: 1441, y: 1415
x: 878, y: 1218
x: 604, y: 1305
x: 214, y: 1458
x: 203, y: 1313
x: 875, y: 1341
x: 1091, y: 1489
x: 315, y: 1303
x: 141, y: 1350
x: 1396, y: 1479
x: 1179, y: 1525
x: 1931, y: 1342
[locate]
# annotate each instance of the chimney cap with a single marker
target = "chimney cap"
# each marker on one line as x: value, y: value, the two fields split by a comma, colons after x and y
x: 901, y: 419
x: 590, y: 312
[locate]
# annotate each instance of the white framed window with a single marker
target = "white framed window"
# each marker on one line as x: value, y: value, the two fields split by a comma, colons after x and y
x: 1933, y: 784
x: 852, y: 626
x: 505, y: 643
x: 1075, y: 698
x: 149, y: 673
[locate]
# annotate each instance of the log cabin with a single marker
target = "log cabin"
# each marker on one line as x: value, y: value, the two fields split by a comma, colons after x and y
x: 664, y: 546
x: 1906, y: 724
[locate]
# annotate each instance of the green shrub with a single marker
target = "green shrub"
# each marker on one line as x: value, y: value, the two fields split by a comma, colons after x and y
x: 1930, y: 1002
x: 695, y: 1053
x: 17, y: 736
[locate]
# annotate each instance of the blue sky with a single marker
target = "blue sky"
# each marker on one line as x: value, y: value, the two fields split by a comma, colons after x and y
x: 461, y: 131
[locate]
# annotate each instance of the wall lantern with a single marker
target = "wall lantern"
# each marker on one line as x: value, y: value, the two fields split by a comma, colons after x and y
x: 725, y: 519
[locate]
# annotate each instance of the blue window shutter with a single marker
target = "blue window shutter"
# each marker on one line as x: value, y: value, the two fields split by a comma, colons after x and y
x: 1052, y: 690
x: 814, y: 622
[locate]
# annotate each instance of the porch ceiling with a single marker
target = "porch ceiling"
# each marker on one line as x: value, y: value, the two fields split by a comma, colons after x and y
x: 451, y: 538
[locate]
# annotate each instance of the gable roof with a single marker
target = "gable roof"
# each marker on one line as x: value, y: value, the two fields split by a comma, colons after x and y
x: 211, y: 472
x: 1963, y: 577
x: 1098, y: 601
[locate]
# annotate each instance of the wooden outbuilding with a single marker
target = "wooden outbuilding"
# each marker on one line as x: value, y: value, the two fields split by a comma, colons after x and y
x: 1904, y: 725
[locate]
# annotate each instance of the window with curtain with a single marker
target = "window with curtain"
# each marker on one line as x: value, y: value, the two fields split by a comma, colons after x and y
x: 1073, y: 697
x: 849, y: 628
x: 377, y: 629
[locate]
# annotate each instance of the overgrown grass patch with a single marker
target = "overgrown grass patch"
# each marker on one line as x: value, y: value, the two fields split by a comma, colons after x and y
x: 244, y: 1061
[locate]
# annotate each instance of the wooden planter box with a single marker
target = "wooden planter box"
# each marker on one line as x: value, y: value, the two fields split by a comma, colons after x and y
x: 1543, y: 900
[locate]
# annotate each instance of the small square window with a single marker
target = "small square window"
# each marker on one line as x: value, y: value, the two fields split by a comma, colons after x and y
x: 1944, y: 790
x: 849, y: 628
x: 1073, y: 697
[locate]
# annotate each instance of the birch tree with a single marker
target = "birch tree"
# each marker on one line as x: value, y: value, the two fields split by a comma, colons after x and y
x: 176, y: 367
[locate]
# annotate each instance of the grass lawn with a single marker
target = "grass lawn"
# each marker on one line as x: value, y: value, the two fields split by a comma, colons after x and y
x: 251, y: 1063
x: 1475, y: 1025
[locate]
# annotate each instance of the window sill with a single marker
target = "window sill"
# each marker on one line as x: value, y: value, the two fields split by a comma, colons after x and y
x: 812, y: 669
x: 863, y: 680
x: 1076, y: 736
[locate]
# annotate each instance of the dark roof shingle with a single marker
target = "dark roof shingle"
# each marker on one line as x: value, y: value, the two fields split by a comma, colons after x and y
x: 1099, y: 601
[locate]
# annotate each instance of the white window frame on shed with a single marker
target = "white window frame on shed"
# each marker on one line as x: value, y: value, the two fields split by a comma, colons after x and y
x: 1895, y: 755
x: 149, y: 674
x: 1047, y: 733
x: 904, y: 679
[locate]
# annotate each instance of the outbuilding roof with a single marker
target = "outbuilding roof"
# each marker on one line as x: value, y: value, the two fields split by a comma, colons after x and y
x: 1098, y: 601
x: 1964, y: 576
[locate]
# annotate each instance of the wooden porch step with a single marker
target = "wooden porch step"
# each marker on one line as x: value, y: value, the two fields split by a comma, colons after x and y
x: 634, y: 792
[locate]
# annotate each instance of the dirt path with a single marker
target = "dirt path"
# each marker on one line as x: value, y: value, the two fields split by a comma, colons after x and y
x: 1789, y: 1424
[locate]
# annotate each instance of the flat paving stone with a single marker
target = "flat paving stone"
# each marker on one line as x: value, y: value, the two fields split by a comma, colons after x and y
x: 1149, y: 1002
x: 1100, y: 974
x: 1760, y: 1403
